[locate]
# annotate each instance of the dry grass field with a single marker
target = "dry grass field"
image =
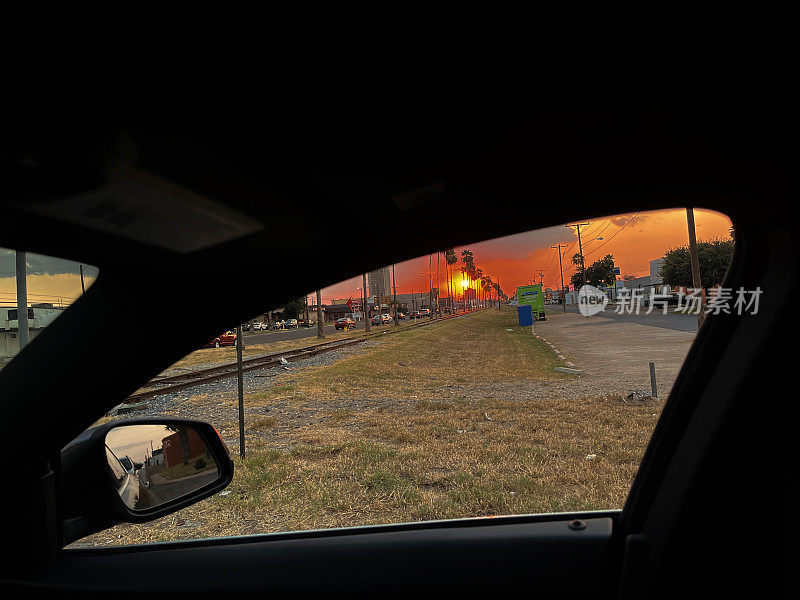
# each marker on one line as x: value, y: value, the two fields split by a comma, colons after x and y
x: 433, y: 423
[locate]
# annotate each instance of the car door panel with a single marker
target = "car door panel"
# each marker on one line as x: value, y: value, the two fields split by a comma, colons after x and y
x: 473, y: 558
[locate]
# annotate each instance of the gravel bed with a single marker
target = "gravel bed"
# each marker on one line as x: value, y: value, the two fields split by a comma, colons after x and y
x: 217, y: 402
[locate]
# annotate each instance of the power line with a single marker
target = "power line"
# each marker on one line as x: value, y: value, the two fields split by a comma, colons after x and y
x: 608, y: 224
x: 615, y: 235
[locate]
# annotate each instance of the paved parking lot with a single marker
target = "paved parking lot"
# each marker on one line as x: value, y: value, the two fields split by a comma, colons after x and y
x: 657, y: 318
x: 615, y: 350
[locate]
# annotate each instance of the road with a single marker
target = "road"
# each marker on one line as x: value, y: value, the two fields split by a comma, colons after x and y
x: 671, y: 320
x: 280, y: 335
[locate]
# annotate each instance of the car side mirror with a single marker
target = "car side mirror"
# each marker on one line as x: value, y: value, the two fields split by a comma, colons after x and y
x: 139, y: 470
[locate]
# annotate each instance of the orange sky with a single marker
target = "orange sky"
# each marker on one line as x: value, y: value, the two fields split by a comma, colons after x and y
x: 60, y: 289
x: 516, y: 259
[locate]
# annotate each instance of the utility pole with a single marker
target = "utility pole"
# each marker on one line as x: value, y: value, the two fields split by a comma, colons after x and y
x: 83, y: 287
x: 365, y: 308
x: 561, y: 268
x: 541, y: 276
x: 394, y: 302
x: 240, y: 383
x: 379, y: 300
x: 578, y: 226
x: 23, y: 335
x: 430, y: 282
x: 320, y: 324
x: 438, y: 281
x: 695, y: 260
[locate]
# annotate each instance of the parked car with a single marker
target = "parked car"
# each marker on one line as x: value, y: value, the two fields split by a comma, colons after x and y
x: 305, y: 323
x: 401, y: 316
x: 425, y: 312
x: 226, y: 339
x: 671, y: 298
x: 376, y: 320
x: 414, y: 314
x: 128, y: 464
x: 277, y: 325
x: 290, y: 324
x: 387, y: 318
x: 125, y: 479
x: 345, y: 322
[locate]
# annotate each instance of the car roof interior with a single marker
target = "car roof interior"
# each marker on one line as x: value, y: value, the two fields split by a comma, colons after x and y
x: 314, y: 146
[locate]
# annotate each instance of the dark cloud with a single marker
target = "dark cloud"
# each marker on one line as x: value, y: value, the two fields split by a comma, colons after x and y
x: 623, y: 220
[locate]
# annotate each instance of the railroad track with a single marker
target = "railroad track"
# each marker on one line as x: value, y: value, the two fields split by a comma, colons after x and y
x: 176, y: 383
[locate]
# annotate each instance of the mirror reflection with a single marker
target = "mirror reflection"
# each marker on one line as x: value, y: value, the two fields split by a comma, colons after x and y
x: 156, y: 463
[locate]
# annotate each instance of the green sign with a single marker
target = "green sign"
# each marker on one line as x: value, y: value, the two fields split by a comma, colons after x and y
x: 531, y: 294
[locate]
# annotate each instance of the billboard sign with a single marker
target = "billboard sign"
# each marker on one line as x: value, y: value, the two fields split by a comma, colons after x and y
x: 532, y: 295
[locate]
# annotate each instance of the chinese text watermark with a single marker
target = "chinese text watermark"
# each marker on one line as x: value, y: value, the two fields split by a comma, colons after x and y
x: 718, y: 300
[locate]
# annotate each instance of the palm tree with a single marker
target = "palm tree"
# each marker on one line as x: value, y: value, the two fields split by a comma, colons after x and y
x: 486, y: 284
x: 478, y: 279
x: 450, y: 259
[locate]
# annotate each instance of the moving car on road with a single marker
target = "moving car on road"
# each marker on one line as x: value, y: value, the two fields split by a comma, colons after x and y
x: 226, y: 339
x: 345, y: 322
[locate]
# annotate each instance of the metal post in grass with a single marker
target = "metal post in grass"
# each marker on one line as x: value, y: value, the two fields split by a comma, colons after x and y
x: 653, y: 386
x: 241, y: 388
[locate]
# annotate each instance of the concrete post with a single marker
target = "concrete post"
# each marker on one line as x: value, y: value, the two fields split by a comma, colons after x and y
x: 23, y: 335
